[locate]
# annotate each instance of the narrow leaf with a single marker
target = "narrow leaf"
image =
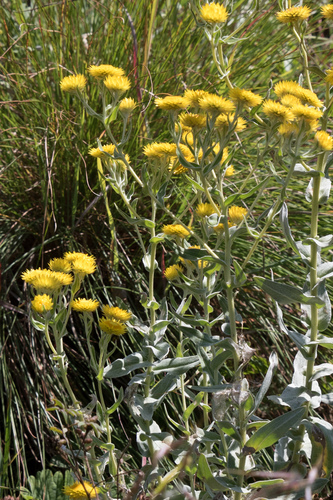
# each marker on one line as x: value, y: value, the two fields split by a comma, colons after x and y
x: 272, y: 432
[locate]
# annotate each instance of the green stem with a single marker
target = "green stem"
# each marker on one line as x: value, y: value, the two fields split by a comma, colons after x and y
x: 304, y: 55
x: 113, y: 468
x: 312, y: 352
x: 47, y: 335
x: 276, y: 205
x: 242, y: 460
x: 63, y: 371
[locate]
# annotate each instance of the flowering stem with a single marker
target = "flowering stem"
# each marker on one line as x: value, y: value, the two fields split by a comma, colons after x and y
x: 276, y: 205
x: 114, y: 251
x: 312, y: 352
x: 242, y: 460
x: 47, y: 335
x: 63, y: 371
x: 112, y: 459
x: 304, y: 54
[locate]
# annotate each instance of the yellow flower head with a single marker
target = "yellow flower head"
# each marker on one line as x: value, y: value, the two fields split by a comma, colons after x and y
x: 276, y: 111
x: 237, y: 214
x: 294, y: 14
x: 73, y: 84
x: 176, y: 230
x: 84, y: 265
x: 327, y: 11
x: 325, y: 141
x: 104, y: 70
x: 117, y: 84
x: 157, y: 150
x: 215, y: 104
x: 214, y: 13
x: 309, y: 97
x: 229, y: 171
x: 172, y: 272
x: 116, y: 313
x: 81, y: 491
x: 46, y: 281
x: 290, y: 100
x: 220, y: 227
x: 222, y: 122
x: 288, y: 128
x: 84, y: 305
x: 42, y: 303
x: 60, y: 265
x: 126, y: 106
x: 329, y: 76
x: 193, y: 96
x: 286, y: 87
x: 192, y: 120
x: 172, y: 102
x: 205, y: 210
x: 306, y: 113
x: 97, y: 153
x: 241, y: 96
x: 112, y: 327
x: 81, y: 263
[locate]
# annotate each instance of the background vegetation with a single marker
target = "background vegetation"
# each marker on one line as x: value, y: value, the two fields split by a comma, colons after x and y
x: 50, y: 196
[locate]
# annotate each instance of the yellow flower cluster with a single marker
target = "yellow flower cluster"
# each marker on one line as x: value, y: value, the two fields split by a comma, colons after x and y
x: 113, y: 321
x: 116, y: 313
x: 81, y: 491
x: 117, y: 85
x: 46, y: 281
x: 172, y: 103
x: 172, y: 272
x: 297, y: 106
x: 325, y: 141
x: 51, y: 280
x: 73, y: 84
x: 84, y: 305
x: 236, y: 214
x: 42, y: 303
x: 214, y: 13
x: 113, y: 78
x: 245, y: 97
x: 327, y: 11
x: 294, y: 14
x: 81, y: 263
x: 205, y: 210
x: 176, y: 230
x: 102, y: 71
x: 97, y: 153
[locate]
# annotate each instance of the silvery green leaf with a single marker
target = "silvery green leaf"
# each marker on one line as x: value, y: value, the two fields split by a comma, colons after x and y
x: 286, y: 294
x: 324, y: 313
x: 325, y: 270
x: 160, y: 349
x: 323, y: 242
x: 273, y: 431
x: 324, y: 190
x: 177, y: 366
x: 327, y: 398
x: 165, y: 385
x: 122, y: 367
x: 286, y: 228
x: 295, y: 397
x: 305, y: 252
x: 301, y: 171
x: 299, y: 339
x: 273, y: 363
x: 323, y: 341
x: 322, y: 371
